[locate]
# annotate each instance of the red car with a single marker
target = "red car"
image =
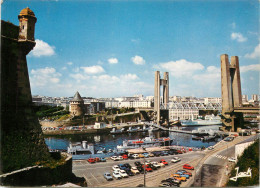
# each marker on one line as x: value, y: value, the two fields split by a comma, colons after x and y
x: 97, y: 159
x: 147, y: 168
x: 163, y: 162
x: 179, y: 152
x: 91, y: 160
x: 187, y: 166
x: 125, y: 156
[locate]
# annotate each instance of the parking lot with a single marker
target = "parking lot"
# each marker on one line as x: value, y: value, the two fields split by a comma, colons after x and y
x: 93, y: 173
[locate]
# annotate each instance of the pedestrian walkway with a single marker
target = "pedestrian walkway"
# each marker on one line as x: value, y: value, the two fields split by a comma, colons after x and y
x: 221, y: 157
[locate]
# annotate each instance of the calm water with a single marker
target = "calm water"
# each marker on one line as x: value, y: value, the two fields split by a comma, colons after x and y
x: 110, y: 141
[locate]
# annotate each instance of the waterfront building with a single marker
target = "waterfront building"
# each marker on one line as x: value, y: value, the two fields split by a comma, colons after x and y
x: 183, y: 113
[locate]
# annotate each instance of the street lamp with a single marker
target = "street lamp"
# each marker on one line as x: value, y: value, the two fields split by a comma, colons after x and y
x: 144, y: 166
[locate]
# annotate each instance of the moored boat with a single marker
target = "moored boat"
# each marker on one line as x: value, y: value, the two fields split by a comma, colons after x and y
x: 209, y: 120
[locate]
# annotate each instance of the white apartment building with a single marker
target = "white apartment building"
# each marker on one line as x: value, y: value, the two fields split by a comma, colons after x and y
x: 255, y: 97
x: 212, y: 100
x: 244, y: 98
x: 112, y: 104
x: 182, y: 114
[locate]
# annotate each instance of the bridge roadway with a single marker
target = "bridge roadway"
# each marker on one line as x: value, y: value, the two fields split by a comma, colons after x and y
x: 93, y: 173
x: 252, y: 110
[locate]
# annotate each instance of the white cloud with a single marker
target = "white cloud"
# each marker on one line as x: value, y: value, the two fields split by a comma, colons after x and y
x: 180, y: 67
x: 113, y: 60
x: 238, y: 37
x: 64, y: 68
x: 138, y: 60
x: 211, y: 75
x: 255, y: 54
x: 129, y: 77
x: 79, y: 77
x: 45, y: 76
x: 70, y: 63
x: 254, y: 67
x: 93, y: 69
x: 42, y: 49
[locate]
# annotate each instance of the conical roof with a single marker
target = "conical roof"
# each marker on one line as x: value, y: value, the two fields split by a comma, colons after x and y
x: 77, y: 97
x: 27, y: 12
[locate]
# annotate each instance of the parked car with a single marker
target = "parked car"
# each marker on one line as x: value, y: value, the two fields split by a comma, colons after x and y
x: 140, y: 169
x: 146, y: 155
x: 165, y: 184
x: 156, y: 154
x: 102, y: 159
x: 120, y: 158
x: 141, y: 155
x: 136, y: 156
x: 171, y: 152
x: 123, y: 174
x: 97, y: 159
x: 152, y: 167
x: 165, y: 152
x: 178, y: 177
x: 229, y: 139
x: 183, y: 175
x: 117, y: 175
x: 115, y: 158
x: 125, y: 156
x: 232, y: 159
x: 122, y: 167
x: 127, y: 165
x: 151, y: 155
x: 175, y: 159
x: 137, y: 163
x: 108, y: 176
x: 179, y: 152
x: 173, y: 180
x: 163, y: 161
x: 147, y: 168
x: 115, y: 168
x: 156, y: 164
x: 210, y: 147
x: 91, y: 160
x: 185, y: 172
x: 187, y: 166
x: 129, y: 172
x: 135, y: 170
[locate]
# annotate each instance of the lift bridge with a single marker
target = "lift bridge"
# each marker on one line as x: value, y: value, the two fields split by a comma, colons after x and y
x: 191, y: 105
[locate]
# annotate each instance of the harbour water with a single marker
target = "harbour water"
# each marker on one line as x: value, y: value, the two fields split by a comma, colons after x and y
x: 110, y: 141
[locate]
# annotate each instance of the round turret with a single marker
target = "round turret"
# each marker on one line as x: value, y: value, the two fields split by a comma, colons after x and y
x: 77, y: 105
x: 27, y: 22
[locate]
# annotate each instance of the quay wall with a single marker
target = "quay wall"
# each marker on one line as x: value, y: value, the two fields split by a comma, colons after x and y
x: 39, y: 175
x: 67, y: 132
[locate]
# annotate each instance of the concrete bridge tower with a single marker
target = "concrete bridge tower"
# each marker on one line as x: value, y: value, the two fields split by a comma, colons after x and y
x: 230, y: 90
x: 157, y: 96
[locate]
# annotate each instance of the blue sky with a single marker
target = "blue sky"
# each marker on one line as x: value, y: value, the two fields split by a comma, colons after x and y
x: 112, y: 48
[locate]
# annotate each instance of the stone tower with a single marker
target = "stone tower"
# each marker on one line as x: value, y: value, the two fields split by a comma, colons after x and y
x: 21, y: 135
x: 157, y: 96
x: 27, y: 22
x: 230, y: 89
x: 77, y: 105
